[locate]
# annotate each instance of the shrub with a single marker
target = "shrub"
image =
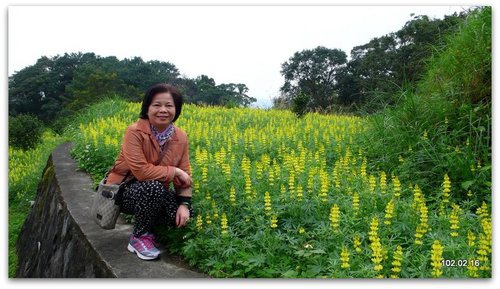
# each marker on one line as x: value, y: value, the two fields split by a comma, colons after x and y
x: 444, y: 125
x: 24, y: 131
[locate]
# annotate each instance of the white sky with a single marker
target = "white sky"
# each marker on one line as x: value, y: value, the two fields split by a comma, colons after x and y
x: 238, y: 44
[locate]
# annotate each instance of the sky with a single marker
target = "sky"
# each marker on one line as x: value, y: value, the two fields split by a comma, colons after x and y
x: 187, y: 40
x: 231, y: 44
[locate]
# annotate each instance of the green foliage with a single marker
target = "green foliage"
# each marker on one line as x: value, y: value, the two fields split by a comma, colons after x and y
x: 299, y: 104
x: 39, y: 89
x: 25, y: 170
x: 94, y: 157
x: 377, y: 70
x: 312, y: 72
x: 24, y: 131
x: 237, y: 146
x: 60, y: 86
x: 229, y: 95
x: 91, y: 84
x: 444, y: 125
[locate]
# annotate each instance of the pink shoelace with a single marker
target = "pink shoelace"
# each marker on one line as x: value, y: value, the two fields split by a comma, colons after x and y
x: 148, y: 241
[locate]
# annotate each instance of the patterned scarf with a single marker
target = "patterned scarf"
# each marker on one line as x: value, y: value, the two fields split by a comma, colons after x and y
x: 163, y: 137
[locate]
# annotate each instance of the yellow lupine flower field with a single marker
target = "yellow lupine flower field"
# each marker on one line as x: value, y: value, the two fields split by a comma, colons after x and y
x: 298, y: 198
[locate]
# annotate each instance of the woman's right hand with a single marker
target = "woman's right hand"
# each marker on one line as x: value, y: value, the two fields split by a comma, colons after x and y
x: 182, y: 178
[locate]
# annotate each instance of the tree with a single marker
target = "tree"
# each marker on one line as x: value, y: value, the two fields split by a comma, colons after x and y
x: 311, y: 74
x: 379, y: 68
x: 230, y: 94
x: 91, y: 84
x: 57, y: 87
x: 24, y: 131
x: 40, y: 89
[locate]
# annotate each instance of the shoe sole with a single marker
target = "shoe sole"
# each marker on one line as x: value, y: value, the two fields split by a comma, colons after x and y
x: 133, y: 250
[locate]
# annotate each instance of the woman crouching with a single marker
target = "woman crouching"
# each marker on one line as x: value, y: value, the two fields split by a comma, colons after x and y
x: 155, y: 153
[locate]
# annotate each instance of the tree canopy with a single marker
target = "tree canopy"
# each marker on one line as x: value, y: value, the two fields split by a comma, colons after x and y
x: 310, y: 77
x: 59, y: 86
x: 322, y: 79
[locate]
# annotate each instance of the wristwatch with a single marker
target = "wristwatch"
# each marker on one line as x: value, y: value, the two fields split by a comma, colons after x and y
x: 187, y: 204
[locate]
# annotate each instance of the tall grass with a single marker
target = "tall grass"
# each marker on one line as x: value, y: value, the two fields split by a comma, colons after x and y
x: 25, y: 170
x: 444, y: 125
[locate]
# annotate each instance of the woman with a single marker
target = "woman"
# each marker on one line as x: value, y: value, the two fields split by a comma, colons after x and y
x: 148, y: 196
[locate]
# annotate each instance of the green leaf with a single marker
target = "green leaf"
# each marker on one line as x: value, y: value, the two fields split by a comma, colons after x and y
x: 318, y: 251
x: 290, y: 274
x: 466, y: 185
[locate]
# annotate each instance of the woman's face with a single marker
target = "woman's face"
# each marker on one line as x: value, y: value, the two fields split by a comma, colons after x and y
x: 161, y: 111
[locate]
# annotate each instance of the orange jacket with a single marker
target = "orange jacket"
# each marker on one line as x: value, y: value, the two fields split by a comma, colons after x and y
x: 140, y: 150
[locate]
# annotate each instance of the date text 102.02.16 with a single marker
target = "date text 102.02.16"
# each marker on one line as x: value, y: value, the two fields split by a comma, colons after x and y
x: 460, y: 263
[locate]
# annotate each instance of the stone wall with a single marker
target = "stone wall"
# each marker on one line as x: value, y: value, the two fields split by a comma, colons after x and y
x: 59, y: 239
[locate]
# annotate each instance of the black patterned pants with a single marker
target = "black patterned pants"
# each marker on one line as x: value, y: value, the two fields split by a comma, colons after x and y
x: 151, y: 203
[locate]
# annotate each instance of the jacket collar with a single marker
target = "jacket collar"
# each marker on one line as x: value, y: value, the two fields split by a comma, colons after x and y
x: 144, y: 126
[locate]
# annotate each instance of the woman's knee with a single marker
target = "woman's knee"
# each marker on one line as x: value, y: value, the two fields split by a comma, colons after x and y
x: 152, y: 189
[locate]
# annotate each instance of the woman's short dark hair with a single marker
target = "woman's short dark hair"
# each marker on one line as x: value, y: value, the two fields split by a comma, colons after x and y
x: 161, y: 88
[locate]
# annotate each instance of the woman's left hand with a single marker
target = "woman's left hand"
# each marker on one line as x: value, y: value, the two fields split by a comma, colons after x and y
x: 182, y: 216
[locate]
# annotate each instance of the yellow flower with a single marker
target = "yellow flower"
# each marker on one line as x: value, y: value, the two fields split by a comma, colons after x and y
x: 215, y: 209
x: 325, y: 184
x: 423, y: 226
x: 335, y: 217
x: 396, y: 184
x: 357, y: 243
x: 373, y: 229
x: 267, y: 203
x: 383, y: 181
x: 446, y: 189
x: 344, y: 257
x: 372, y: 183
x: 258, y: 170
x: 389, y: 211
x: 335, y: 175
x: 376, y: 246
x: 436, y: 259
x: 232, y: 196
x: 248, y: 187
x: 282, y: 189
x: 291, y: 184
x: 302, y: 230
x: 417, y: 196
x: 377, y: 254
x: 199, y: 223
x: 274, y: 221
x: 208, y: 219
x: 472, y: 268
x: 471, y: 237
x: 363, y: 168
x: 483, y: 248
x: 300, y: 195
x: 397, y: 262
x: 271, y: 178
x: 454, y: 222
x: 223, y: 224
x: 204, y: 175
x: 355, y: 203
